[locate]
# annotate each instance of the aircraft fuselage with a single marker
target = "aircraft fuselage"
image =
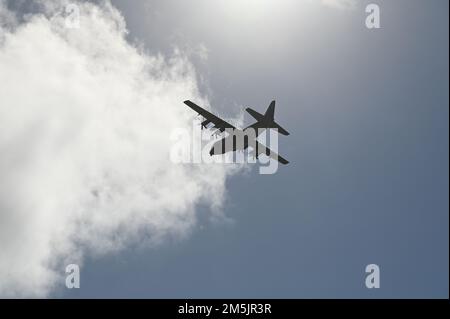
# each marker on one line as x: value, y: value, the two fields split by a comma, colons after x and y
x: 237, y: 140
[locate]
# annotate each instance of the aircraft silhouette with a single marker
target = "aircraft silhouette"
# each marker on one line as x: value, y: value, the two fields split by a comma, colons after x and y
x: 242, y: 139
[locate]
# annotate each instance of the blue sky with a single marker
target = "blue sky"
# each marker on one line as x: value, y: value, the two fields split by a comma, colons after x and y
x: 368, y: 175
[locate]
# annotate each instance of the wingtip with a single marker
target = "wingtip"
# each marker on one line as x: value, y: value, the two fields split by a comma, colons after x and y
x: 282, y: 160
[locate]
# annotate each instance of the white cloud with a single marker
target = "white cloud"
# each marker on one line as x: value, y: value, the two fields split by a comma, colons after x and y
x: 85, y: 119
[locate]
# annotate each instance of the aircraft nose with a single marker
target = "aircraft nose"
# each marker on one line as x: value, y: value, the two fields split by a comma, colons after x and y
x: 211, y: 152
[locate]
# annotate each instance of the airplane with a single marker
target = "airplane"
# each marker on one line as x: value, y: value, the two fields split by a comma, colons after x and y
x: 229, y: 143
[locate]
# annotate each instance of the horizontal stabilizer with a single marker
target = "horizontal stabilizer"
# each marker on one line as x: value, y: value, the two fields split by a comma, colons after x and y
x: 262, y: 149
x: 256, y: 115
x: 280, y: 129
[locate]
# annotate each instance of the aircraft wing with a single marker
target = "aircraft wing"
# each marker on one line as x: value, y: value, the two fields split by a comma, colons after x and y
x: 209, y: 117
x: 262, y: 149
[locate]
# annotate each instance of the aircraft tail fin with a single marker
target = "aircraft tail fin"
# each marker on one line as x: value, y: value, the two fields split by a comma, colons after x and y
x: 270, y: 112
x: 266, y: 120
